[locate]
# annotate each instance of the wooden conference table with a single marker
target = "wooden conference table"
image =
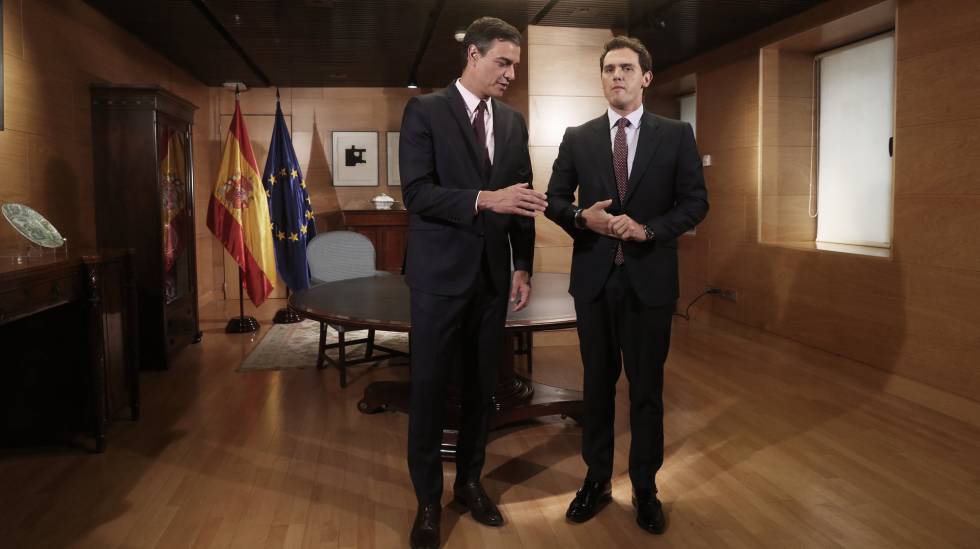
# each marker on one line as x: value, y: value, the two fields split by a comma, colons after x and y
x: 382, y: 302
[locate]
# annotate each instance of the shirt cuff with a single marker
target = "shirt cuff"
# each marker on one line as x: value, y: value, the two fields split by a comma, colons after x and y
x: 476, y: 203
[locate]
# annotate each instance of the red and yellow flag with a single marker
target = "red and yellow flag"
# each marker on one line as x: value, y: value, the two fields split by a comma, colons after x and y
x: 238, y: 212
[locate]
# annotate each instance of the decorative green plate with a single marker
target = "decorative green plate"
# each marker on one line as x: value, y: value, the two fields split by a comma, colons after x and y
x: 32, y: 225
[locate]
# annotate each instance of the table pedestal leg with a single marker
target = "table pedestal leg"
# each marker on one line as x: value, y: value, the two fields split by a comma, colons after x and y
x: 516, y: 399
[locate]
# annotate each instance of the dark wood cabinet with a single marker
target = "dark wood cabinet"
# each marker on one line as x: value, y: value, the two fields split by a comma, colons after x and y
x: 144, y: 201
x: 70, y: 349
x: 387, y: 229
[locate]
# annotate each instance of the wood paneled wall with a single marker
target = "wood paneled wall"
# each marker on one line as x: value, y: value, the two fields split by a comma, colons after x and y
x: 564, y: 90
x: 787, y: 147
x: 53, y: 50
x: 916, y: 314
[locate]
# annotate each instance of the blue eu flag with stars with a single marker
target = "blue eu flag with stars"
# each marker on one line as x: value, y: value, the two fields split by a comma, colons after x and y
x: 289, y: 207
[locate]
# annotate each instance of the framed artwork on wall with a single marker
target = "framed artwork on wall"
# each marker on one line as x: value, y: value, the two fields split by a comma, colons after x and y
x: 394, y: 175
x: 355, y: 159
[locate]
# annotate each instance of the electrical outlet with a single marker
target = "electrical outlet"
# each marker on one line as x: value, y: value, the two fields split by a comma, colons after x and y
x: 730, y: 295
x: 724, y: 293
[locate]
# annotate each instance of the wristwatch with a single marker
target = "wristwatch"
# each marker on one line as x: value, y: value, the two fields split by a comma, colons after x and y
x: 649, y: 232
x: 579, y: 221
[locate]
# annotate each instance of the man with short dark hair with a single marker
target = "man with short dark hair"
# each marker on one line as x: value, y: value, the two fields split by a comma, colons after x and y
x: 465, y: 179
x: 640, y: 186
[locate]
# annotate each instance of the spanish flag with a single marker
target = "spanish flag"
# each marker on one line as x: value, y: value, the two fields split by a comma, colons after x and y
x: 238, y: 212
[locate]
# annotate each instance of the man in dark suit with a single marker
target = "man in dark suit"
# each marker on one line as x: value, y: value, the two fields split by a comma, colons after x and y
x: 465, y: 179
x: 640, y: 187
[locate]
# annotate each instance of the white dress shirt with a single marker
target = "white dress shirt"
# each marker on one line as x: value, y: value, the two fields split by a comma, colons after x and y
x: 632, y: 133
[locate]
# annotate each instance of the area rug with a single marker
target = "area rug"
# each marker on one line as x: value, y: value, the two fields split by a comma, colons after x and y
x: 294, y: 346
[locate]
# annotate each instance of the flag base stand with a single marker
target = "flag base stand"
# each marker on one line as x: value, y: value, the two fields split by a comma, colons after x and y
x: 286, y: 316
x: 242, y: 325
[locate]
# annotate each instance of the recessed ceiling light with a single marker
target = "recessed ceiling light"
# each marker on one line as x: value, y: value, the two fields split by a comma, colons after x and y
x: 459, y: 35
x: 413, y: 84
x: 235, y: 85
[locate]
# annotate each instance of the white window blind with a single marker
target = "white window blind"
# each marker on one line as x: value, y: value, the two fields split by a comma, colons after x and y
x: 856, y: 106
x: 689, y: 112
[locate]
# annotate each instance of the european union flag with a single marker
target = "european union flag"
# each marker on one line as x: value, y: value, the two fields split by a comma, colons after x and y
x: 289, y: 207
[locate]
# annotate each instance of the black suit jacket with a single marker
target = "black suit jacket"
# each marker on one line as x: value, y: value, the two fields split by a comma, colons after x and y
x: 666, y: 192
x: 440, y: 179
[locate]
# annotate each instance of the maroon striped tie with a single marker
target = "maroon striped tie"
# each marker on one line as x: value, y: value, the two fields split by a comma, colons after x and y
x: 480, y: 128
x: 620, y: 159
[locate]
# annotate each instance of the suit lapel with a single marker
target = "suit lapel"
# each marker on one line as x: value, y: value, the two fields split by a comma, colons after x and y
x: 458, y: 107
x: 501, y: 131
x: 603, y: 146
x: 649, y: 140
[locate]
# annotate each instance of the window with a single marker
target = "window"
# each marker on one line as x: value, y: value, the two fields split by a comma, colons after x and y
x: 856, y: 106
x: 689, y: 113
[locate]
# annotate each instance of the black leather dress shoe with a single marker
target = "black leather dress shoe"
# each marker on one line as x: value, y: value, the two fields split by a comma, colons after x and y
x: 425, y: 531
x: 589, y: 500
x: 472, y: 496
x: 649, y: 513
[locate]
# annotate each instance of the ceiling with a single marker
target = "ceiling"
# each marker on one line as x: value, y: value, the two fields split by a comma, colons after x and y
x: 296, y: 43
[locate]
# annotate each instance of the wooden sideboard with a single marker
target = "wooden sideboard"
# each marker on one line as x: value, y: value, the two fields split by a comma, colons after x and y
x: 387, y: 229
x: 68, y: 334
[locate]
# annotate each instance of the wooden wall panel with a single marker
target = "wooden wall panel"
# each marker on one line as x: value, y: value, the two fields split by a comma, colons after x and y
x: 552, y: 259
x: 53, y: 51
x: 561, y: 70
x: 728, y: 124
x: 786, y: 171
x: 787, y: 146
x: 939, y: 86
x: 551, y: 115
x: 936, y: 26
x: 542, y: 160
x: 567, y: 36
x: 668, y: 106
x: 564, y: 90
x: 787, y: 122
x: 938, y: 158
x: 733, y: 171
x: 939, y: 230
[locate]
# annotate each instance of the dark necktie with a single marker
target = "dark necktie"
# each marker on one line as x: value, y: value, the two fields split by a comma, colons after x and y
x: 620, y: 166
x: 480, y: 128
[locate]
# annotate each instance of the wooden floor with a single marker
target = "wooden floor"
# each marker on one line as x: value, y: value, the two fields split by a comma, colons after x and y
x: 769, y: 444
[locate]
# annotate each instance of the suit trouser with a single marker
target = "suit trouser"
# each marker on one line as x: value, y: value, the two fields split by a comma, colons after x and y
x: 461, y: 335
x: 617, y: 321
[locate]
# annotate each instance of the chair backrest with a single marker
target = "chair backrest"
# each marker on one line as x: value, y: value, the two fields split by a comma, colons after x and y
x: 339, y: 255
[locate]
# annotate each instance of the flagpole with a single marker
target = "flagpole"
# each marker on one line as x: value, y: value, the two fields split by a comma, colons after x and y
x: 242, y: 324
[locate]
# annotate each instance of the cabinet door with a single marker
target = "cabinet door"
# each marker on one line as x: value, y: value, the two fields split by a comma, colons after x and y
x: 176, y: 210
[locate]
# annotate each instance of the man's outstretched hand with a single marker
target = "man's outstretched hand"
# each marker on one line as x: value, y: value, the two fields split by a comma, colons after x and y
x: 518, y: 199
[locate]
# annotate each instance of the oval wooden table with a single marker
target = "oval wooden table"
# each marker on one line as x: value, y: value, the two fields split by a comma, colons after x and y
x: 383, y: 303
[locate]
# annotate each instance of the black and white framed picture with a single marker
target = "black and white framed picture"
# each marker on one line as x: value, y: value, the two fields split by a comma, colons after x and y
x: 355, y: 159
x: 394, y: 175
